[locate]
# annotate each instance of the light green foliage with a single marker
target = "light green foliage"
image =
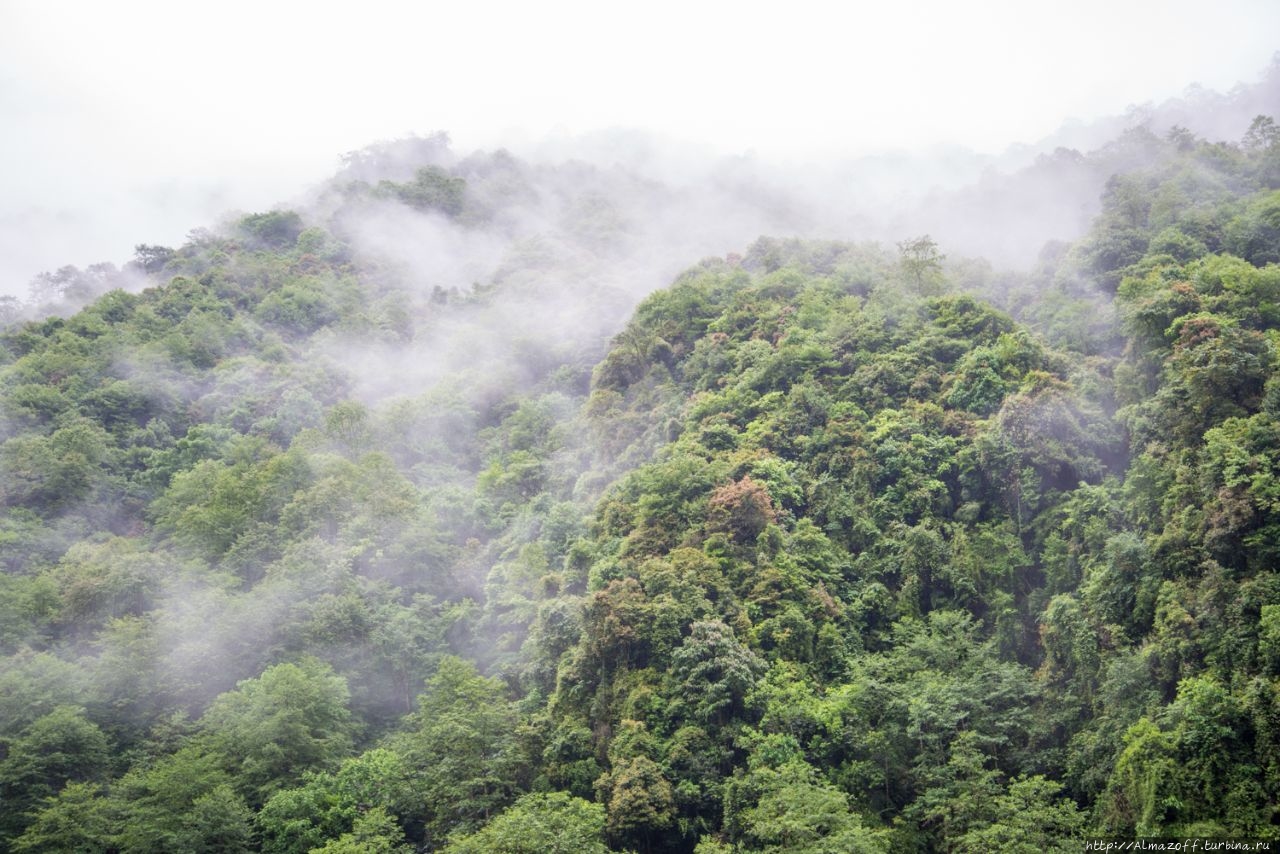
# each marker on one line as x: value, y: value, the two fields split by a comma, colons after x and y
x: 27, y: 605
x: 52, y: 472
x: 100, y: 582
x: 374, y: 832
x: 329, y: 806
x: 922, y: 264
x: 1269, y: 636
x: 214, y: 506
x: 1143, y: 791
x: 34, y: 684
x: 184, y: 802
x: 294, y: 821
x: 219, y: 821
x: 1030, y: 817
x: 460, y: 746
x: 77, y: 819
x: 794, y: 810
x: 293, y: 718
x: 553, y: 823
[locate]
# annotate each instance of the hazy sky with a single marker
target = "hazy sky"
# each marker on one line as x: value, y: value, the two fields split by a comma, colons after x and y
x: 130, y: 121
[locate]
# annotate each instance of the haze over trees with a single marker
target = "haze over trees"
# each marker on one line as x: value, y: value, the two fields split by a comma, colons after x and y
x: 821, y: 546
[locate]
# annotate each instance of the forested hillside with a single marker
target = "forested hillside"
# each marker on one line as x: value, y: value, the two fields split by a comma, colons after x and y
x: 833, y: 547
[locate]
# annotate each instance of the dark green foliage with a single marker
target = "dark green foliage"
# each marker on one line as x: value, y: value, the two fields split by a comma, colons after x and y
x: 715, y: 672
x: 59, y: 748
x: 432, y: 188
x: 275, y: 229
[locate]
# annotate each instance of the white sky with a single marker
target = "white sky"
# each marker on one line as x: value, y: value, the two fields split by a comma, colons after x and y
x: 133, y: 121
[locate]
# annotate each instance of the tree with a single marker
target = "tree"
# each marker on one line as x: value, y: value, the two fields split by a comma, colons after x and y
x: 1142, y: 796
x: 539, y: 823
x: 432, y: 188
x: 50, y: 473
x: 185, y: 802
x: 274, y: 229
x: 715, y: 671
x: 375, y: 832
x: 921, y: 264
x: 328, y: 805
x: 1217, y: 371
x: 1254, y: 233
x: 77, y: 819
x: 1030, y: 817
x: 639, y: 800
x: 74, y: 285
x: 618, y: 621
x: 1263, y: 133
x: 461, y: 746
x: 293, y: 718
x: 219, y: 823
x: 34, y: 684
x: 151, y: 259
x: 742, y: 509
x: 960, y: 796
x: 61, y: 747
x: 797, y: 812
x: 103, y: 581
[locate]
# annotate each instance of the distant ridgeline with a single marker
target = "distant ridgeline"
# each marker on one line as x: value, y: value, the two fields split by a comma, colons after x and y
x: 833, y: 547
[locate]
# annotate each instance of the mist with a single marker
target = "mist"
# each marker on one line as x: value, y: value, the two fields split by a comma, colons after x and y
x: 416, y: 424
x: 123, y: 126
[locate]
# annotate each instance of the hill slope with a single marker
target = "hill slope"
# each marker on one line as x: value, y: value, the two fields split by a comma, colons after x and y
x: 833, y: 547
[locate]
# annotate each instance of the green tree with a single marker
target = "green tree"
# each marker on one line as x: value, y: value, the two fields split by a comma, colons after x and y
x: 61, y: 747
x: 539, y: 823
x: 639, y: 801
x: 184, y: 802
x: 274, y: 229
x: 375, y: 832
x: 49, y: 473
x: 461, y: 746
x: 293, y: 718
x: 77, y: 819
x: 1030, y: 817
x: 921, y: 264
x: 961, y: 796
x: 795, y: 811
x: 328, y: 805
x: 151, y: 259
x: 715, y: 672
x: 1142, y: 796
x: 432, y: 188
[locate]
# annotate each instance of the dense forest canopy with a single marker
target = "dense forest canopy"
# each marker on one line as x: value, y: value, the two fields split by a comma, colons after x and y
x: 825, y: 546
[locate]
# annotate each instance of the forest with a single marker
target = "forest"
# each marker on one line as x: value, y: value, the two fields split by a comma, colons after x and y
x: 822, y: 546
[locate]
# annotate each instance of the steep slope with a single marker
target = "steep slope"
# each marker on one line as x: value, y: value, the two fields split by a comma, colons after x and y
x: 315, y: 545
